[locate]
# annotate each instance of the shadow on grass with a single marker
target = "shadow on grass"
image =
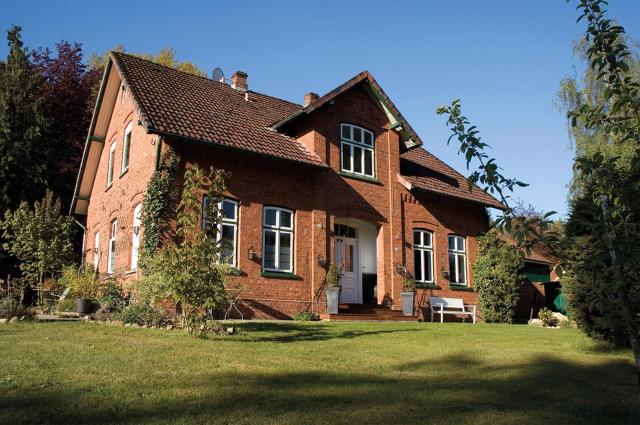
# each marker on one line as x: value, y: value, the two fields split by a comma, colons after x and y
x: 296, y: 332
x: 456, y: 389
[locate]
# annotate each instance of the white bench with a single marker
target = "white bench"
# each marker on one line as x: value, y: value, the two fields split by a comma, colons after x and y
x: 451, y: 306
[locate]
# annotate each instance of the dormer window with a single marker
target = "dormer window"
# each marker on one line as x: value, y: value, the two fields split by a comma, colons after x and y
x: 357, y: 151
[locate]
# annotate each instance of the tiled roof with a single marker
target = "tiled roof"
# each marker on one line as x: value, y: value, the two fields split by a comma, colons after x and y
x: 178, y: 104
x: 427, y: 173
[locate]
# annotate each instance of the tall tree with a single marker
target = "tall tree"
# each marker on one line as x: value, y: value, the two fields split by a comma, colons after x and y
x: 23, y: 153
x: 66, y: 90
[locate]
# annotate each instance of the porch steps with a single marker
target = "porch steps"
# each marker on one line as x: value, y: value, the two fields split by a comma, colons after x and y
x: 367, y: 312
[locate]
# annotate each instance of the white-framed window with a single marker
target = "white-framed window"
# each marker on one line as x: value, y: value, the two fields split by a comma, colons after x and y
x: 457, y: 260
x: 357, y: 154
x: 227, y: 229
x: 112, y: 156
x: 111, y: 264
x: 96, y: 250
x: 135, y: 237
x: 126, y: 146
x: 423, y: 256
x: 277, y: 240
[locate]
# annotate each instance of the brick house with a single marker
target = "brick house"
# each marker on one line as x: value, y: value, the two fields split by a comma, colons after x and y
x: 342, y: 177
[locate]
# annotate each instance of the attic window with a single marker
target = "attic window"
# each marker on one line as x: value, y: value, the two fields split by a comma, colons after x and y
x: 357, y: 151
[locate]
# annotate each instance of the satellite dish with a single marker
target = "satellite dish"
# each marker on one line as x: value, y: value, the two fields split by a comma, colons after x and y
x: 217, y: 75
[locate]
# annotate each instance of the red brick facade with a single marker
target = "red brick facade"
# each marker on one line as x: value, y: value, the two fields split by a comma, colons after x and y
x: 316, y: 195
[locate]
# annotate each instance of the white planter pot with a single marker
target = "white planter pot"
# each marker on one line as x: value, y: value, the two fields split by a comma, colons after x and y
x: 407, y: 303
x: 333, y: 299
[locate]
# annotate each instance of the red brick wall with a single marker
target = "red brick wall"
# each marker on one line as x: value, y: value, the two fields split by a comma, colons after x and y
x: 119, y: 200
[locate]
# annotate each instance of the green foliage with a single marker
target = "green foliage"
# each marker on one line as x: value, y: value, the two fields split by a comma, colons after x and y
x: 40, y: 238
x: 547, y: 317
x: 157, y: 199
x: 12, y: 307
x: 333, y: 276
x: 305, y: 316
x: 189, y: 270
x: 498, y: 274
x: 142, y: 314
x: 111, y: 297
x: 66, y: 305
x: 408, y: 284
x: 82, y: 282
x: 23, y: 151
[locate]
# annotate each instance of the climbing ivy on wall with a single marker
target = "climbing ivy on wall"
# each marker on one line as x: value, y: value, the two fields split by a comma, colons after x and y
x: 157, y: 198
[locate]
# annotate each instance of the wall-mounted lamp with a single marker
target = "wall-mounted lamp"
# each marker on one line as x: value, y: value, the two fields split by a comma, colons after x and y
x: 136, y: 230
x: 445, y: 273
x: 400, y: 269
x: 252, y: 254
x: 322, y: 261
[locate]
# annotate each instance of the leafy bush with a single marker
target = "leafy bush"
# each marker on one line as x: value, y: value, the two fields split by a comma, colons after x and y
x: 497, y: 273
x: 333, y: 276
x: 82, y: 283
x: 305, y: 316
x: 547, y: 317
x: 12, y: 307
x: 66, y: 305
x: 142, y: 314
x: 111, y: 299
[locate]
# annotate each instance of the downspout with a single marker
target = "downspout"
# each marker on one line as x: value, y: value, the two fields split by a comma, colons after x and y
x: 84, y: 237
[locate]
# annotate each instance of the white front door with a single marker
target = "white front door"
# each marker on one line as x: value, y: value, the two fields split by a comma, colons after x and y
x: 346, y: 257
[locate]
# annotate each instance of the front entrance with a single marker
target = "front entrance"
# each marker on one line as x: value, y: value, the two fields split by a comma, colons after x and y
x: 347, y: 260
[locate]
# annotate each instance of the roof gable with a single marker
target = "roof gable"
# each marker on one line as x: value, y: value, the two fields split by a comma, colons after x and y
x: 398, y: 123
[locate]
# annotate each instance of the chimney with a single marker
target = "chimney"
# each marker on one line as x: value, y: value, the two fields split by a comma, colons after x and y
x: 310, y: 97
x: 239, y: 80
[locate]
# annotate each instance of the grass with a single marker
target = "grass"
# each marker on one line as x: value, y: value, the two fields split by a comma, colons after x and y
x: 297, y: 373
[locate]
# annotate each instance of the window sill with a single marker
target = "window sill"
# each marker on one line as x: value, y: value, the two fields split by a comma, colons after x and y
x: 122, y: 173
x: 108, y: 186
x: 460, y: 288
x: 427, y: 286
x: 128, y: 272
x: 280, y: 275
x: 359, y: 177
x: 235, y: 272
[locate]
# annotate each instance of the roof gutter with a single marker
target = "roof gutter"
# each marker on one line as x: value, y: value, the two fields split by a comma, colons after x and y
x: 90, y: 138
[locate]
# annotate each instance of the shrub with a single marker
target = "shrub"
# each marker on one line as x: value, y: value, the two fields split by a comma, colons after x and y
x: 305, y: 316
x: 142, y: 314
x: 111, y: 299
x: 547, y: 317
x: 11, y: 307
x: 82, y: 282
x: 333, y: 276
x: 66, y: 305
x: 497, y: 274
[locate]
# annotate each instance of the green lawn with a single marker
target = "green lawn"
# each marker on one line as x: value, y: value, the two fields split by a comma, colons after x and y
x: 312, y: 373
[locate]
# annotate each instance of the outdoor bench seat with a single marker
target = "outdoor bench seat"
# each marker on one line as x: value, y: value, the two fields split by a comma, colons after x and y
x: 455, y: 306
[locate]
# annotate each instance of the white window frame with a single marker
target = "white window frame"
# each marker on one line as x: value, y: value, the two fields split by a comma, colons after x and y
x: 111, y: 260
x: 96, y: 250
x: 353, y: 144
x: 135, y: 236
x: 111, y: 164
x: 424, y: 249
x: 126, y: 148
x: 278, y: 230
x: 226, y: 222
x: 456, y: 251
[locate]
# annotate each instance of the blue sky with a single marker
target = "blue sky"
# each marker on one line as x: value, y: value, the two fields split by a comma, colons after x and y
x: 504, y: 59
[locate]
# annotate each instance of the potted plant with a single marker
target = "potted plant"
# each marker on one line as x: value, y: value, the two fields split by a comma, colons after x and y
x: 408, y: 294
x: 83, y: 284
x: 333, y: 289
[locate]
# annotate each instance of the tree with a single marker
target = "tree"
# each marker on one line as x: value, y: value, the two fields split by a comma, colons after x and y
x: 189, y: 271
x: 66, y: 90
x: 23, y: 152
x: 40, y: 238
x: 497, y: 275
x: 166, y: 56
